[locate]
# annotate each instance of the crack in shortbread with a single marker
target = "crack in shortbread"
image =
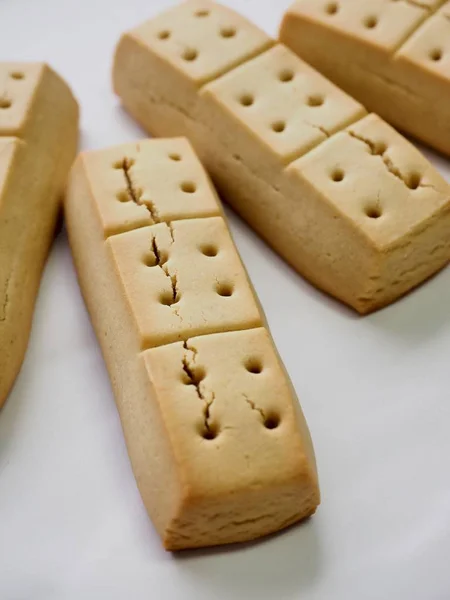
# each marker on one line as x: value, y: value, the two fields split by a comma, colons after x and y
x: 320, y: 128
x: 135, y: 193
x: 429, y: 9
x: 161, y: 262
x: 171, y: 231
x: 189, y: 369
x: 168, y: 103
x: 386, y: 160
x: 253, y: 406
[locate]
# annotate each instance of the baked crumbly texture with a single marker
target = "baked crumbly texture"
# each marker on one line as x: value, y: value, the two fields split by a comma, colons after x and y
x: 38, y: 140
x: 392, y: 56
x: 217, y: 441
x: 346, y: 200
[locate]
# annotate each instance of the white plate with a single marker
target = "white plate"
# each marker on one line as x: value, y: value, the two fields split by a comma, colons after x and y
x: 375, y: 390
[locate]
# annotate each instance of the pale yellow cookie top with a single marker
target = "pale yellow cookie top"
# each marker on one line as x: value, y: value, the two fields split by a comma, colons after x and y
x: 377, y: 179
x: 429, y: 47
x: 283, y: 103
x: 202, y: 39
x: 146, y: 182
x: 183, y: 280
x: 230, y: 412
x: 18, y: 83
x: 382, y: 24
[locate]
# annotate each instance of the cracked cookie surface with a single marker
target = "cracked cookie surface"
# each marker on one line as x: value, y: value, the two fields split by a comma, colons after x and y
x: 392, y: 56
x: 342, y: 221
x: 174, y: 289
x: 197, y: 380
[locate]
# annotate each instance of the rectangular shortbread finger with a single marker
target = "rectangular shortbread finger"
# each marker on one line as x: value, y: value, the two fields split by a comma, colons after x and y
x: 38, y: 139
x: 392, y: 56
x: 217, y: 441
x: 256, y: 126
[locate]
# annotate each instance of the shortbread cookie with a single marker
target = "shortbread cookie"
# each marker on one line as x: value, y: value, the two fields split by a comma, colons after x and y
x: 217, y: 441
x: 364, y: 219
x: 393, y: 56
x: 38, y: 139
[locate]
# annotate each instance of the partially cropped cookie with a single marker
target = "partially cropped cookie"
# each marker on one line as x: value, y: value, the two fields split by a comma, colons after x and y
x: 38, y: 141
x: 393, y: 56
x: 395, y: 201
x: 346, y: 200
x: 217, y: 441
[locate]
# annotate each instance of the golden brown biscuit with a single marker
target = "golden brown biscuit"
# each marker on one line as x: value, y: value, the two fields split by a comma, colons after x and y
x: 38, y: 140
x: 217, y: 441
x: 392, y: 56
x: 363, y: 219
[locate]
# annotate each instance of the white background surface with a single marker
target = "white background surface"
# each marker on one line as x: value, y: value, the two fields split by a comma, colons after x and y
x: 375, y: 390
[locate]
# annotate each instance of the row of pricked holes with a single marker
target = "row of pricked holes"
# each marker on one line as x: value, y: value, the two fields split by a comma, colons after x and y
x: 173, y: 156
x: 252, y: 365
x: 371, y: 22
x: 285, y: 76
x: 5, y: 102
x: 188, y: 187
x: 210, y: 250
x: 374, y: 212
x: 270, y: 422
x: 225, y: 32
x: 191, y: 54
